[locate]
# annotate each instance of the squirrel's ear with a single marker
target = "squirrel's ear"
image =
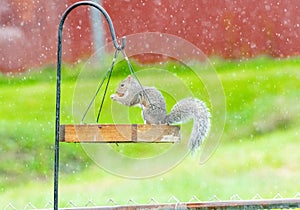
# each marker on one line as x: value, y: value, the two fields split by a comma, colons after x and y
x: 129, y: 77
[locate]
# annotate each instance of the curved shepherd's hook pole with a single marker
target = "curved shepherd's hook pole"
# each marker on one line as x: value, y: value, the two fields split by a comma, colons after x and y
x: 58, y: 81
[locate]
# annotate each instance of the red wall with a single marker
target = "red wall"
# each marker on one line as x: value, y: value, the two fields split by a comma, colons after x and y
x: 232, y: 28
x: 28, y: 36
x: 229, y: 28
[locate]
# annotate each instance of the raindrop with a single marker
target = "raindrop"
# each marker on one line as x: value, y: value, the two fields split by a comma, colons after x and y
x: 253, y: 45
x: 267, y: 7
x: 157, y: 2
x: 237, y: 116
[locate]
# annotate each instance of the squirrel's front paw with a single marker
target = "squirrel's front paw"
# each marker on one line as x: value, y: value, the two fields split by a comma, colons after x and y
x: 113, y: 97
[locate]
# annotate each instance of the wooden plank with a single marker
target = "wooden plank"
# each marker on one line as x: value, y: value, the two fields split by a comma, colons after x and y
x: 119, y: 133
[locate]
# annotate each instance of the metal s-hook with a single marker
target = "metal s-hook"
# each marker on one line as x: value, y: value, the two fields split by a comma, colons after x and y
x: 123, y: 43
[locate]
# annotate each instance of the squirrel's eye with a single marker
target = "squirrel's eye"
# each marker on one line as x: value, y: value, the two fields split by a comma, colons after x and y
x: 122, y: 85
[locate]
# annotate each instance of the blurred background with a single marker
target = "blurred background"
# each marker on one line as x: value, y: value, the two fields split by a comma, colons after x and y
x: 230, y: 29
x: 254, y: 47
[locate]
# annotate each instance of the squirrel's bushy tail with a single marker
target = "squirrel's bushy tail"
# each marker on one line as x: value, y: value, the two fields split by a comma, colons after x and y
x: 187, y: 109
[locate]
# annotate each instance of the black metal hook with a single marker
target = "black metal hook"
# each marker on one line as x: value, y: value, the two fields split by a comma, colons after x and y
x: 106, y: 15
x: 58, y: 80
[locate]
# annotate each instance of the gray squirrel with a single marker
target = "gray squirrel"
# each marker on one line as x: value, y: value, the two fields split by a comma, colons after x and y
x: 131, y: 93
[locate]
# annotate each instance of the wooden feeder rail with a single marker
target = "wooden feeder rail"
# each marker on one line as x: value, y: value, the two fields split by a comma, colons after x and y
x: 119, y: 133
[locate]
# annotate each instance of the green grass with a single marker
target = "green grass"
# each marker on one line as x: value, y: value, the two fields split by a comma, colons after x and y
x: 258, y: 153
x: 262, y: 167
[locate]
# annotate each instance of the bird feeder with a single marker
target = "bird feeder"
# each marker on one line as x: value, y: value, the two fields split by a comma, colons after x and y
x: 102, y: 133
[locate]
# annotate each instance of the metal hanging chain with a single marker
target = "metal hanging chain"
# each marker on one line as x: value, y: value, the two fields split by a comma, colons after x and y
x: 107, y: 75
x: 108, y: 80
x: 131, y: 69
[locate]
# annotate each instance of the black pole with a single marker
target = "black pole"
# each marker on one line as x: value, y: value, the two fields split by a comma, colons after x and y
x: 58, y: 80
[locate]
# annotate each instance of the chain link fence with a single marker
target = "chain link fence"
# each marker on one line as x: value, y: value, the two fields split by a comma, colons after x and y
x: 235, y: 201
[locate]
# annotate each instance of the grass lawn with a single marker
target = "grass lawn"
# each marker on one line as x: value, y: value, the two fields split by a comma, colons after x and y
x: 258, y: 152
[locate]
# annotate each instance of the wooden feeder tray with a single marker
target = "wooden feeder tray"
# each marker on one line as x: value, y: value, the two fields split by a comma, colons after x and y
x: 119, y: 133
